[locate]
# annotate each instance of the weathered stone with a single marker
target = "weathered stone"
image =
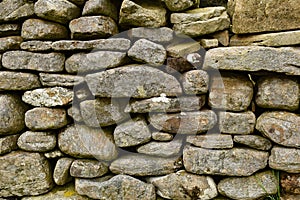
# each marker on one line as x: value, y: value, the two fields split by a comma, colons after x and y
x: 231, y: 92
x: 82, y: 93
x: 253, y: 141
x: 84, y: 142
x: 195, y: 82
x: 211, y: 141
x: 62, y: 80
x: 290, y: 183
x: 13, y: 10
x: 93, y: 27
x: 37, y: 141
x: 10, y: 43
x: 36, y: 45
x: 74, y: 113
x: 209, y: 43
x: 184, y: 122
x: 237, y: 123
x: 18, y: 81
x: 232, y: 162
x: 181, y: 4
x: 24, y: 173
x: 289, y: 197
x: 144, y: 165
x: 100, y: 7
x: 61, y: 174
x: 136, y: 81
x: 281, y: 127
x: 23, y: 60
x: 9, y: 29
x: 180, y: 64
x: 161, y: 136
x: 183, y: 49
x: 254, y: 58
x: 222, y: 37
x: 160, y: 35
x: 184, y: 185
x: 253, y: 187
x: 88, y: 168
x: 37, y: 29
x: 8, y: 143
x: 117, y: 187
x: 54, y: 154
x: 46, y: 118
x: 161, y: 149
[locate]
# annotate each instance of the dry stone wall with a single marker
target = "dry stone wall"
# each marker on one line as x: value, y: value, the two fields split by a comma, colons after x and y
x: 160, y: 99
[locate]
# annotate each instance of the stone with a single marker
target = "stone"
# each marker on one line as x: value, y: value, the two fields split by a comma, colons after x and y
x: 145, y: 165
x: 37, y: 29
x: 181, y: 4
x: 60, y: 80
x: 117, y: 187
x: 195, y: 82
x: 211, y: 141
x: 159, y: 35
x: 81, y: 141
x: 18, y: 81
x: 232, y: 92
x: 12, y: 112
x: 14, y: 10
x: 54, y: 154
x: 253, y: 141
x: 161, y: 136
x: 36, y: 45
x: 222, y: 37
x: 137, y: 81
x: 257, y: 186
x: 184, y: 122
x: 237, y: 123
x: 289, y: 197
x: 183, y: 49
x: 140, y: 13
x: 10, y: 43
x: 290, y: 183
x: 8, y: 144
x: 9, y: 29
x: 231, y: 162
x: 74, y: 113
x: 24, y: 173
x: 280, y: 127
x: 84, y: 168
x: 23, y: 60
x: 61, y: 11
x: 61, y: 174
x: 37, y: 141
x: 184, y: 185
x: 254, y: 58
x: 209, y: 43
x: 180, y: 64
x: 42, y: 118
x: 146, y: 51
x: 93, y: 27
x: 278, y: 92
x: 161, y: 149
x: 49, y: 97
x: 100, y: 7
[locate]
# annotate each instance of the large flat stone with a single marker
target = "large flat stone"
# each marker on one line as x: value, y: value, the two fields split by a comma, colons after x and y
x: 211, y: 141
x: 60, y: 80
x: 10, y: 43
x: 18, y: 81
x: 159, y: 35
x: 37, y: 141
x: 13, y: 10
x: 162, y: 149
x: 36, y: 46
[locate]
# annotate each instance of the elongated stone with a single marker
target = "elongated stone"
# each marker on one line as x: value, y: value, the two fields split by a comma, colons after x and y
x: 100, y: 7
x: 254, y: 141
x: 211, y: 141
x: 183, y: 49
x: 9, y: 29
x: 18, y: 81
x: 159, y: 35
x: 8, y: 144
x: 10, y: 43
x: 285, y: 159
x: 85, y: 168
x: 62, y: 80
x: 161, y: 136
x: 61, y: 174
x: 36, y: 46
x: 37, y: 141
x: 161, y: 149
x: 181, y: 4
x: 13, y: 10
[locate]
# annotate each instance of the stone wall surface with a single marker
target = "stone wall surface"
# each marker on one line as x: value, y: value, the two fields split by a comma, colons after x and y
x: 149, y: 99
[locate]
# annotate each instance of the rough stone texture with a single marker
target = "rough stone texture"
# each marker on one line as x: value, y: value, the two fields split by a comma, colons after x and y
x: 37, y: 29
x: 74, y: 113
x: 13, y: 10
x: 100, y: 7
x: 9, y: 29
x: 180, y: 64
x: 36, y: 45
x: 8, y: 144
x: 61, y: 174
x: 289, y: 197
x: 231, y: 92
x: 290, y: 183
x: 253, y: 187
x: 191, y: 186
x: 254, y: 58
x: 181, y: 4
x: 184, y: 122
x: 232, y: 162
x: 183, y: 49
x: 136, y: 81
x: 63, y: 80
x: 253, y: 141
x: 10, y: 43
x: 37, y: 141
x: 18, y: 81
x: 160, y: 35
x: 88, y: 168
x: 195, y: 82
x: 18, y: 177
x: 23, y: 60
x: 56, y: 153
x: 209, y: 43
x: 161, y: 136
x: 281, y: 127
x: 211, y: 141
x: 222, y: 37
x: 81, y: 141
x: 162, y: 149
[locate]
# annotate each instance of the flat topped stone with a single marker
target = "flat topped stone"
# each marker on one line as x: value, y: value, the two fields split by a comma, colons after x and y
x: 162, y: 149
x: 100, y: 7
x: 254, y: 141
x: 13, y: 10
x: 61, y: 80
x: 18, y: 81
x: 181, y: 4
x: 85, y: 168
x: 159, y: 35
x: 37, y: 141
x: 36, y: 45
x: 211, y: 141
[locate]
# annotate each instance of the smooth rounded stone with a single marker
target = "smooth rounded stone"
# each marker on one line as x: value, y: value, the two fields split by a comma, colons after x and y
x: 211, y: 141
x: 14, y: 10
x: 61, y: 174
x: 181, y: 64
x: 9, y: 29
x: 184, y: 185
x: 8, y: 143
x: 159, y: 35
x: 184, y: 122
x: 24, y: 173
x: 146, y: 51
x: 37, y: 29
x: 142, y: 13
x: 161, y: 149
x: 10, y: 43
x: 281, y: 127
x: 254, y: 58
x: 93, y: 27
x: 37, y: 141
x: 12, y: 112
x: 222, y: 37
x: 290, y: 183
x: 232, y: 92
x: 145, y: 165
x: 117, y: 187
x: 253, y: 187
x: 278, y: 92
x: 237, y: 123
x: 81, y: 141
x: 56, y: 153
x: 183, y: 49
x: 231, y: 162
x: 43, y: 118
x: 49, y: 97
x: 209, y: 43
x: 195, y: 82
x: 61, y: 11
x: 61, y: 80
x: 74, y: 113
x: 36, y: 45
x: 100, y: 7
x: 18, y: 81
x: 88, y: 168
x: 161, y: 136
x: 135, y: 81
x: 253, y: 141
x: 181, y: 4
x: 23, y: 60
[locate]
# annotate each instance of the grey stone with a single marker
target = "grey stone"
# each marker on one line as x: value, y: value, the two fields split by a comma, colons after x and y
x: 232, y: 162
x: 36, y: 45
x: 88, y: 168
x: 211, y: 141
x: 290, y: 183
x: 159, y: 35
x: 56, y: 153
x: 18, y: 81
x: 183, y: 49
x: 13, y: 10
x: 61, y: 174
x: 10, y: 43
x: 209, y: 43
x: 195, y: 82
x: 9, y: 29
x: 161, y: 149
x: 100, y: 7
x: 8, y: 143
x: 161, y: 136
x: 37, y: 141
x: 24, y: 173
x: 137, y: 81
x: 253, y: 141
x: 63, y: 80
x: 74, y: 113
x: 181, y: 4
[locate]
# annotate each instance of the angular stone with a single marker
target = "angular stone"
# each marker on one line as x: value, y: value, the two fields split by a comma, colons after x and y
x: 37, y: 141
x: 183, y: 49
x: 209, y: 43
x: 146, y: 51
x: 24, y: 173
x: 37, y: 29
x: 161, y: 136
x: 290, y: 183
x: 195, y: 82
x: 137, y: 81
x: 175, y: 65
x: 74, y: 113
x: 254, y: 58
x: 10, y: 43
x: 23, y: 60
x: 184, y: 122
x: 159, y: 35
x: 9, y: 29
x: 222, y: 37
x: 253, y: 187
x: 54, y: 154
x: 253, y: 141
x: 13, y: 10
x: 88, y: 168
x: 232, y: 162
x: 184, y: 185
x: 144, y: 165
x: 81, y: 141
x: 211, y: 141
x: 285, y: 159
x: 100, y: 7
x: 8, y: 144
x: 161, y: 149
x: 281, y: 127
x: 36, y: 45
x: 63, y: 80
x: 61, y: 174
x: 181, y: 4
x: 18, y: 81
x: 237, y: 123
